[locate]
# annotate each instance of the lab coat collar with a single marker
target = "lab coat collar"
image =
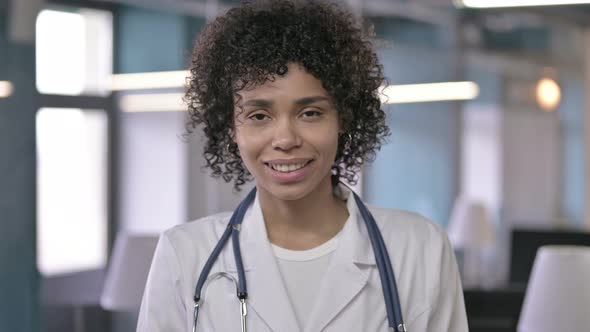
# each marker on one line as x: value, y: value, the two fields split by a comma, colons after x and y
x: 346, y: 276
x: 355, y: 234
x: 253, y: 235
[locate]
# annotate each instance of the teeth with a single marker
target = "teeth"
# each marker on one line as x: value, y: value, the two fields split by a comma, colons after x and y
x: 287, y: 168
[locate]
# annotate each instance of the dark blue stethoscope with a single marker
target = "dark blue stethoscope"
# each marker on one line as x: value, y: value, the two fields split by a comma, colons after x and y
x: 392, y: 304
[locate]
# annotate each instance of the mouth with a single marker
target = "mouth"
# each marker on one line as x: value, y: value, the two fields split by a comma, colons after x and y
x: 288, y: 166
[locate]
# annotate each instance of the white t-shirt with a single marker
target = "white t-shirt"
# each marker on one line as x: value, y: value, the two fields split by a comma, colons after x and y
x: 302, y: 272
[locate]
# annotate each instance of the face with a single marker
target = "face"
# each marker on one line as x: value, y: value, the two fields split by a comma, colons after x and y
x: 287, y: 134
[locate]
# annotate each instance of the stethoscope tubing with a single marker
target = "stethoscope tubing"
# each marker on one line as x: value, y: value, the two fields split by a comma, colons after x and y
x: 392, y: 305
x: 388, y: 284
x: 232, y: 228
x: 384, y: 277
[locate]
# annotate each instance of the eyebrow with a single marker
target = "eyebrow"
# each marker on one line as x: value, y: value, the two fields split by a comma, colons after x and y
x: 299, y: 102
x: 310, y: 100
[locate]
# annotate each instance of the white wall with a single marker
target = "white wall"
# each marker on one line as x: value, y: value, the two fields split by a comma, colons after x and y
x: 531, y: 168
x: 481, y: 146
x: 153, y: 170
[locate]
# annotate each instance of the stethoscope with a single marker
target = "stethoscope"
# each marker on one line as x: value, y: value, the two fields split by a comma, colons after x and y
x: 392, y: 304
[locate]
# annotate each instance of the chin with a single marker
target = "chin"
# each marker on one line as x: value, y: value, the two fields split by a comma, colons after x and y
x: 292, y: 191
x: 288, y: 192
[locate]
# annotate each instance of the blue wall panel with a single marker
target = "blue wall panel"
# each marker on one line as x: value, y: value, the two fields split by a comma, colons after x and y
x: 416, y: 169
x: 149, y: 40
x: 19, y: 279
x: 571, y: 113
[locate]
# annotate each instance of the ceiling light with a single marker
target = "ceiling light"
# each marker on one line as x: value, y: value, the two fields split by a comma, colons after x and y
x: 429, y: 92
x: 516, y: 3
x: 154, y: 102
x: 149, y: 80
x: 393, y: 94
x: 6, y: 89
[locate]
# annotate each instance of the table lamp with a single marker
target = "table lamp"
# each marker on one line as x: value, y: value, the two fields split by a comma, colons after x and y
x: 127, y: 273
x: 557, y: 296
x: 473, y: 236
x: 470, y: 225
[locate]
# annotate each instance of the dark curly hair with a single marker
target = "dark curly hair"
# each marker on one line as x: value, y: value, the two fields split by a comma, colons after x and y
x: 253, y: 43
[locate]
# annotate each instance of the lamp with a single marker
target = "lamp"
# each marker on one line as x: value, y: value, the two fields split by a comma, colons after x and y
x: 557, y: 296
x: 470, y: 225
x: 548, y: 94
x: 128, y: 271
x: 6, y: 89
x: 472, y: 234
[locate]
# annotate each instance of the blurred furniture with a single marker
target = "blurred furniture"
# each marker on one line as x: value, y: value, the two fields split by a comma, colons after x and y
x: 526, y: 242
x: 499, y: 309
x: 557, y: 296
x: 70, y: 302
x: 127, y: 273
x: 493, y: 310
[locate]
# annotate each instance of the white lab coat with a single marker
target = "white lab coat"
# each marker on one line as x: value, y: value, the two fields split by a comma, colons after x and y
x: 350, y: 297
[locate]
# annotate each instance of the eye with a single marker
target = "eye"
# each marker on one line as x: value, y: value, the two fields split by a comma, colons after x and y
x: 258, y: 117
x: 311, y: 113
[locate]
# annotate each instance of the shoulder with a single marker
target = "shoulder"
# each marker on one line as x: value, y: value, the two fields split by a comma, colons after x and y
x: 424, y: 263
x: 421, y: 245
x: 195, y: 236
x: 199, y: 225
x: 407, y: 224
x: 183, y: 249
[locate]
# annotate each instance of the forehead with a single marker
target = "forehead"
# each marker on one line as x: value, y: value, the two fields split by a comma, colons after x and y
x: 296, y: 83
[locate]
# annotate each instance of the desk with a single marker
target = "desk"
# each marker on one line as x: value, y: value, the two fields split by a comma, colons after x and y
x: 495, y: 310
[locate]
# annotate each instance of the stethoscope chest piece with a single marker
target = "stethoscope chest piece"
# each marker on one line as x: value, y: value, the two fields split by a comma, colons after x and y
x: 198, y: 302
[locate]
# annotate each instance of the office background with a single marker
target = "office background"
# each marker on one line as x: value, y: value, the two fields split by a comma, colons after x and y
x: 70, y: 140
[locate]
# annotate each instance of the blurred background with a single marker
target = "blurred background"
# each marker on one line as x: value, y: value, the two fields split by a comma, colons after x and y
x: 489, y: 110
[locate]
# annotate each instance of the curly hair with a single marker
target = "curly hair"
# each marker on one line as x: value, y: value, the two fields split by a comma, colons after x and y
x: 254, y: 43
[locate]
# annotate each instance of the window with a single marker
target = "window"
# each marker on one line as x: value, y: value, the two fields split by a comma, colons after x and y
x: 71, y: 191
x: 74, y: 52
x: 73, y: 68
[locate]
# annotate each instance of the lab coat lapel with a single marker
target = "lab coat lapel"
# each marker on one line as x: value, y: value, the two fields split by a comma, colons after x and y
x: 347, y: 273
x: 267, y: 294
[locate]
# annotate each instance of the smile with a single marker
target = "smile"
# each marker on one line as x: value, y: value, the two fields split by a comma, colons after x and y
x: 286, y: 167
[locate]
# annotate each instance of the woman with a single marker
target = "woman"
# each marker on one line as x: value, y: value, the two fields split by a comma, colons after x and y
x: 286, y: 93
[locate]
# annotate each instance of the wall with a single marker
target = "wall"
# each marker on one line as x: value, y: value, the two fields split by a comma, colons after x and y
x: 571, y: 112
x: 152, y: 157
x: 416, y: 169
x: 19, y: 280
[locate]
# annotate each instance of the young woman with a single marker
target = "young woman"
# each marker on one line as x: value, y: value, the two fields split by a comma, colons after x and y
x: 286, y: 94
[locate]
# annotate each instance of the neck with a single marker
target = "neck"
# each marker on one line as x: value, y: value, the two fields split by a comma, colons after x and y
x: 304, y: 223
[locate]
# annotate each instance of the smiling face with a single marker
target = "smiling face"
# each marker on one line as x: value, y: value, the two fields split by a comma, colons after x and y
x: 287, y: 134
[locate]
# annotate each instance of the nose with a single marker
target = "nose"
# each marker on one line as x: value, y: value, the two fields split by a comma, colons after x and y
x: 286, y: 136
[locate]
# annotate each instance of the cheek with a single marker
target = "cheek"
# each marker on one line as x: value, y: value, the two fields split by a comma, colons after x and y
x: 248, y: 158
x: 249, y: 147
x: 334, y: 147
x: 328, y: 144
